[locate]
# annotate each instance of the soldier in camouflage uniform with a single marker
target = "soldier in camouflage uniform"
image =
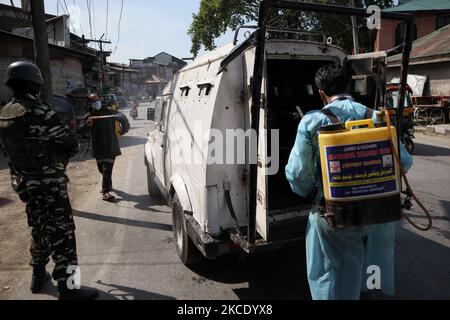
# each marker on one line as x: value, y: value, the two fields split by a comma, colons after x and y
x: 38, y: 146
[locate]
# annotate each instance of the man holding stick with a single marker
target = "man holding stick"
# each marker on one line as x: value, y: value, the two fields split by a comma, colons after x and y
x: 105, y: 142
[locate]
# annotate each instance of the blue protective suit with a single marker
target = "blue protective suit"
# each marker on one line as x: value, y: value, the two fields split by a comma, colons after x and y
x: 338, y: 259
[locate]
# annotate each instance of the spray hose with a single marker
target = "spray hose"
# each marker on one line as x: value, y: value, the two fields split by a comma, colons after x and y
x: 408, y: 185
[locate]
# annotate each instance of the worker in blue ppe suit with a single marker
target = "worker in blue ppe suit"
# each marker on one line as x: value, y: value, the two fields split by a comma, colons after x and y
x: 338, y: 260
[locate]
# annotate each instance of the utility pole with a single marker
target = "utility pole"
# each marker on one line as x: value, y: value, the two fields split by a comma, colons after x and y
x: 41, y: 50
x: 355, y: 29
x: 123, y: 76
x: 102, y: 59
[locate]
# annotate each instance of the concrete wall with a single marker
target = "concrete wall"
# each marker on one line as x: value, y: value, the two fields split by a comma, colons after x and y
x: 5, y: 92
x: 58, y: 32
x: 438, y: 75
x: 67, y: 75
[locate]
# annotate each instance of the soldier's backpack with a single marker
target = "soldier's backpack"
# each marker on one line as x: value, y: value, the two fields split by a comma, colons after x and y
x: 23, y: 153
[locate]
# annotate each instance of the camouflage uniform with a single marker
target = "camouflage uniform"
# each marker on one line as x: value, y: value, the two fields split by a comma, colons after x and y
x: 45, y: 191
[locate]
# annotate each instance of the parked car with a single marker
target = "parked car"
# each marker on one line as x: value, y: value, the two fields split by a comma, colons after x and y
x: 65, y: 109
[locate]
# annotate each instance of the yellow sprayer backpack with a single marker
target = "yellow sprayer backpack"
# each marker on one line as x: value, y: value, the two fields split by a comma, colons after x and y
x: 361, y: 174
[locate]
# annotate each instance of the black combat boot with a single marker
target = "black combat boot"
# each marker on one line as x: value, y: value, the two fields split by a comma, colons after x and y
x: 39, y: 278
x: 83, y: 294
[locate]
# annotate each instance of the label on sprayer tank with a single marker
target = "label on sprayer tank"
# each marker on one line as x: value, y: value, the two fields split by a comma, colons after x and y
x: 362, y: 170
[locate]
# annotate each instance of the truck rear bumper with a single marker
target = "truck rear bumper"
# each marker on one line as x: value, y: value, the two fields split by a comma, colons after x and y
x: 213, y: 247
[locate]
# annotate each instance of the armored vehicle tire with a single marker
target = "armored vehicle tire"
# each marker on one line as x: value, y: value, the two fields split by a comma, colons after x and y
x: 153, y: 189
x: 186, y: 249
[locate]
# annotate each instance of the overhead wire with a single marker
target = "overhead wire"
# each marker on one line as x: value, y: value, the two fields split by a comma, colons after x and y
x: 67, y: 12
x: 65, y: 5
x: 93, y: 20
x: 119, y: 27
x: 107, y: 18
x: 78, y: 16
x: 89, y: 13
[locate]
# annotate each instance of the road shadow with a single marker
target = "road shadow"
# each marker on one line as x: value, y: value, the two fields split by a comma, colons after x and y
x: 115, y: 292
x: 122, y: 221
x: 430, y: 151
x: 3, y: 162
x: 142, y: 202
x: 446, y: 207
x: 4, y: 202
x: 129, y: 141
x: 277, y: 275
x: 422, y: 267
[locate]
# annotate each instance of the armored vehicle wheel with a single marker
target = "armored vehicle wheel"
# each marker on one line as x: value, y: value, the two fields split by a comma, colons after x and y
x: 153, y: 189
x: 186, y: 249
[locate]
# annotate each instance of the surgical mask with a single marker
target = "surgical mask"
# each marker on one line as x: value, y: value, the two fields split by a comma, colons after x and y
x: 97, y: 105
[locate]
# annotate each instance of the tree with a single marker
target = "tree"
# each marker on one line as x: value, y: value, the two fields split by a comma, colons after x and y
x: 215, y: 17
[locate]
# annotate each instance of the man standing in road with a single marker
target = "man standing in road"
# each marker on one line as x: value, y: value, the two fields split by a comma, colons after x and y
x: 337, y: 259
x: 105, y: 141
x: 38, y: 146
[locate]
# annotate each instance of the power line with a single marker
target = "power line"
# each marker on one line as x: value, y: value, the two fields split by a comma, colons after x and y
x: 67, y: 9
x: 78, y: 16
x: 107, y: 17
x: 93, y: 18
x: 89, y: 12
x: 118, y: 30
x: 62, y: 7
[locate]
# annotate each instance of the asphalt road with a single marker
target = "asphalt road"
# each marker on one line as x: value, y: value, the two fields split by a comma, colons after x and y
x: 127, y: 249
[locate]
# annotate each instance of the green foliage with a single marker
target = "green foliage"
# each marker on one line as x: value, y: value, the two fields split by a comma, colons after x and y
x: 215, y: 17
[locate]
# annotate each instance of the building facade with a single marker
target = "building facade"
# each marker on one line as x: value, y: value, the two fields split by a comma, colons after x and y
x: 74, y: 66
x: 430, y: 57
x: 155, y: 73
x: 430, y: 15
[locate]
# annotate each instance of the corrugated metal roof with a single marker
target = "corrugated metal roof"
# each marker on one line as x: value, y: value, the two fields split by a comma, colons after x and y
x: 420, y: 5
x: 435, y: 46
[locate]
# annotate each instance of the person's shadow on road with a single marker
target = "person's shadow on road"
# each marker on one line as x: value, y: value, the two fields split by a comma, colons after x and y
x: 117, y: 292
x: 114, y: 292
x: 142, y: 202
x: 276, y: 275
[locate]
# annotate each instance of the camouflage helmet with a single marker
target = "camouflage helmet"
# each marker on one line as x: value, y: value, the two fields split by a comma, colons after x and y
x: 24, y: 71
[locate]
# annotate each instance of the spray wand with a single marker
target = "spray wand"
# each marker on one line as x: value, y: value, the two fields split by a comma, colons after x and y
x: 410, y: 192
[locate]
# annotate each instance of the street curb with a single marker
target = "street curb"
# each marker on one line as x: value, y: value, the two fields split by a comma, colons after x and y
x: 441, y: 131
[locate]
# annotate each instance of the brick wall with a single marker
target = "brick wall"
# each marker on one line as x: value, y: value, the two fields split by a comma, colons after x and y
x: 425, y: 24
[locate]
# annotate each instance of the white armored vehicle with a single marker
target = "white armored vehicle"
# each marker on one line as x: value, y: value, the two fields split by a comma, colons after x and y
x: 224, y: 129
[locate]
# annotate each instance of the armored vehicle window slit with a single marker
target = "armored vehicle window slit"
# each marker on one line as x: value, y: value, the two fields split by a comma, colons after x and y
x: 185, y: 91
x: 204, y: 89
